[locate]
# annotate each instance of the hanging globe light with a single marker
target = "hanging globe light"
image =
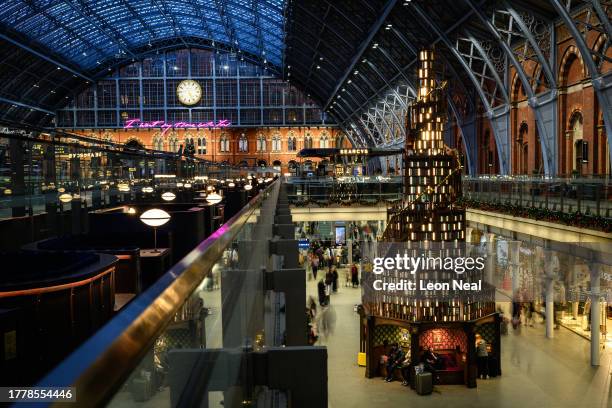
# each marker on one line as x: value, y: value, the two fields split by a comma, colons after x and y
x: 168, y: 196
x: 65, y: 198
x: 214, y: 198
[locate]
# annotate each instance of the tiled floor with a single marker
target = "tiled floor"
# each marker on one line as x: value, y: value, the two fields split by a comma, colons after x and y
x: 537, y: 372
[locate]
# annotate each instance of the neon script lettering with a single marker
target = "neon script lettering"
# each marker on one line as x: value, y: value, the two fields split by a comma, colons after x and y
x: 165, y: 126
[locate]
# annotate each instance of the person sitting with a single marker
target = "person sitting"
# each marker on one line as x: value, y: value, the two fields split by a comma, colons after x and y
x: 396, y: 358
x: 405, y: 369
x: 431, y: 361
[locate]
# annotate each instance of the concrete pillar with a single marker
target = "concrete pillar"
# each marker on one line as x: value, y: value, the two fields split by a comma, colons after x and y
x: 349, y: 243
x: 549, y: 281
x: 490, y: 262
x: 468, y: 235
x: 514, y: 258
x: 16, y: 148
x: 595, y: 313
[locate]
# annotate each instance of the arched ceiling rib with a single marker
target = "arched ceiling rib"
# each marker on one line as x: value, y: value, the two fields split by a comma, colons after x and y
x: 88, y: 33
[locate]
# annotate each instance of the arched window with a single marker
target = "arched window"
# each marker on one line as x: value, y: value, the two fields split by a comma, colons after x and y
x: 173, y: 142
x: 276, y: 143
x: 579, y: 146
x: 324, y: 141
x: 107, y: 136
x: 188, y: 139
x: 261, y: 143
x: 201, y: 145
x: 243, y: 143
x: 224, y: 144
x: 158, y: 141
x: 308, y: 141
x: 522, y: 157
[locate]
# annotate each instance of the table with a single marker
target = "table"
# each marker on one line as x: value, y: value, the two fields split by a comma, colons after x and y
x: 153, y: 264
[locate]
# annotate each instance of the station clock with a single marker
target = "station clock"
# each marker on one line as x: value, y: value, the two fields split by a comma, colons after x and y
x: 189, y: 92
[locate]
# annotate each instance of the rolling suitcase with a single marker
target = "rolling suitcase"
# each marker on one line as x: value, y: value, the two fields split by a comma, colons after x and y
x: 424, y: 383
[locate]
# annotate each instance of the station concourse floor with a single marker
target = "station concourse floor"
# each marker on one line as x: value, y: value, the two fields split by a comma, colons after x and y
x: 537, y: 372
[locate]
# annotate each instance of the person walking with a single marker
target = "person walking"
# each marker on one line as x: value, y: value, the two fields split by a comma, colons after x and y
x: 315, y: 265
x: 334, y: 279
x: 354, y: 275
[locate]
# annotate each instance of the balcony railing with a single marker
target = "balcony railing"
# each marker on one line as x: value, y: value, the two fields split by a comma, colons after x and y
x: 588, y: 196
x: 210, y: 328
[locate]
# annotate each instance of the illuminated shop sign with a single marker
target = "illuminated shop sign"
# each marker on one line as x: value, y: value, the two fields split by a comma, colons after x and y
x: 165, y: 126
x: 353, y: 151
x: 84, y: 155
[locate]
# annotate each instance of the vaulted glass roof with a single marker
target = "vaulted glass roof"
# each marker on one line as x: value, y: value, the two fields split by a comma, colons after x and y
x: 89, y: 33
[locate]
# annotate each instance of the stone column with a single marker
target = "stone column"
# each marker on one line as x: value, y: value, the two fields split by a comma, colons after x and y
x: 514, y: 261
x: 595, y: 313
x: 490, y: 262
x: 468, y: 235
x: 549, y: 281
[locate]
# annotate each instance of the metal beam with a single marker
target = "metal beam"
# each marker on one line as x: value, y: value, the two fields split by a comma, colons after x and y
x: 497, y: 126
x: 550, y: 76
x: 548, y: 139
x: 45, y: 57
x: 25, y: 105
x: 603, y: 88
x: 362, y: 48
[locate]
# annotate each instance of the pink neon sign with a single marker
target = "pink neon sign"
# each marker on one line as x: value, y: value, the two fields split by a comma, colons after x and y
x: 165, y: 126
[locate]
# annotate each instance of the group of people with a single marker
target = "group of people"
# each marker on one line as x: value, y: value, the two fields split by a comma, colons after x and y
x: 397, y: 358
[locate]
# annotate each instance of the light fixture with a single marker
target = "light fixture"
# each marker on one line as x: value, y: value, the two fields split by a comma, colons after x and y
x: 61, y: 190
x: 123, y: 187
x: 187, y: 185
x: 8, y: 191
x: 214, y: 198
x: 147, y: 189
x: 155, y: 218
x: 131, y: 210
x: 168, y: 196
x: 65, y: 198
x: 231, y: 184
x: 179, y: 184
x: 210, y: 188
x: 248, y: 187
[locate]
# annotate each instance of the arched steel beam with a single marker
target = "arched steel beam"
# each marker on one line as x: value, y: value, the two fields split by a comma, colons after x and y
x: 499, y: 129
x: 603, y: 17
x: 375, y: 140
x: 46, y: 57
x: 402, y: 129
x: 483, y: 54
x: 393, y: 63
x: 602, y: 84
x: 550, y: 76
x: 469, y: 142
x: 545, y: 116
x: 324, y: 25
x: 364, y: 45
x: 386, y: 123
x: 381, y: 134
x: 86, y: 12
x: 310, y: 46
x: 375, y: 69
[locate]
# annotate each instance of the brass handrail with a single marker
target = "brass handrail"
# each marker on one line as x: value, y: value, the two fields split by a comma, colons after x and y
x: 101, y: 365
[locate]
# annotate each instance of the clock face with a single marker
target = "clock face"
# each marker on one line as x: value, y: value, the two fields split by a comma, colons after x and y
x: 189, y: 92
